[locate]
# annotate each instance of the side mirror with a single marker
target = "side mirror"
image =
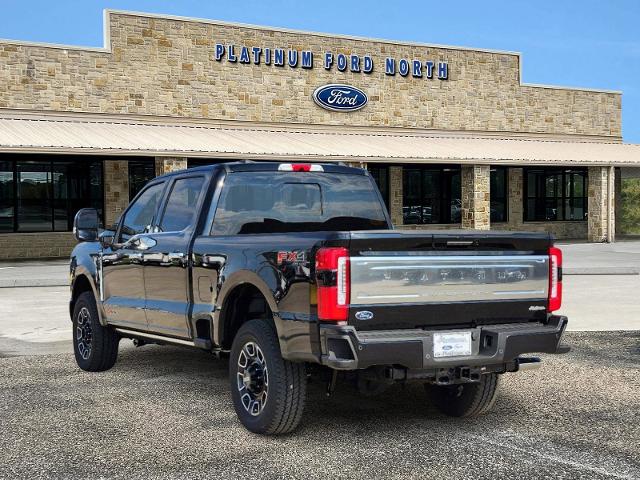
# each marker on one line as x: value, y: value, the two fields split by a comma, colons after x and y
x: 86, y: 224
x: 106, y: 238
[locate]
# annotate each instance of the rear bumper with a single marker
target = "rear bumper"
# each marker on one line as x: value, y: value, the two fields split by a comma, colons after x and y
x: 345, y: 348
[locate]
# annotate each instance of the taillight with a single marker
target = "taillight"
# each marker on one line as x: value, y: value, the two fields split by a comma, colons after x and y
x: 300, y: 167
x: 555, y: 279
x: 333, y: 278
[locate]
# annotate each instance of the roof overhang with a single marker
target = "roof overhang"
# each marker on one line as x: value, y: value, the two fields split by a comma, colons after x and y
x: 23, y: 132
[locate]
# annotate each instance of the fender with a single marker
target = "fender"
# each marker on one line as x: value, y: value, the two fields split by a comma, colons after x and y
x: 236, y: 279
x: 84, y: 263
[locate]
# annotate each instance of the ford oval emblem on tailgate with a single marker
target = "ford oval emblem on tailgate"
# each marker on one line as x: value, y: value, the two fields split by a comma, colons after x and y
x: 340, y: 98
x: 364, y: 315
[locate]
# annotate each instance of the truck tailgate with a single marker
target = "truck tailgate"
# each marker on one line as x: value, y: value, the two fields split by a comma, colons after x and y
x: 402, y: 279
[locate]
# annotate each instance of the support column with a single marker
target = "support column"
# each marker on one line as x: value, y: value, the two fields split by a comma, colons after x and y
x: 475, y: 197
x: 618, y: 201
x: 601, y: 218
x: 395, y: 195
x: 116, y: 189
x: 515, y: 200
x: 170, y: 164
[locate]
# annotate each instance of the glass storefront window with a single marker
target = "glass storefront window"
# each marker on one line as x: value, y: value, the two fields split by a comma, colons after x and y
x: 380, y: 175
x: 431, y: 195
x: 140, y: 172
x: 43, y: 194
x: 6, y: 196
x: 499, y: 199
x: 554, y: 194
x: 34, y: 206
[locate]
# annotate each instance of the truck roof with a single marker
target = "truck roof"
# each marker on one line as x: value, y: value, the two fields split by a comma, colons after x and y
x: 250, y: 166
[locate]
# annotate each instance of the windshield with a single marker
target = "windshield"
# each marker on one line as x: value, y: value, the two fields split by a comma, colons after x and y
x: 276, y: 202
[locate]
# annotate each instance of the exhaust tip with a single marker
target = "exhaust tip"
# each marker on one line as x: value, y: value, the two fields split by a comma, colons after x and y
x: 528, y: 363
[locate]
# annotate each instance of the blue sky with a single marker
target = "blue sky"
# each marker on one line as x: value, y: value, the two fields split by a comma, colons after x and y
x: 584, y: 43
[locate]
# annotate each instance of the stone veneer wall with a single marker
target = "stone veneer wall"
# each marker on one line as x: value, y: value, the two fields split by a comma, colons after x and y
x: 170, y: 164
x: 27, y: 246
x: 116, y: 189
x: 475, y: 183
x: 167, y: 67
x: 599, y: 204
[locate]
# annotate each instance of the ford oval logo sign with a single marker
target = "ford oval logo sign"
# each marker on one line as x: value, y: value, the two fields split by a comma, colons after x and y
x: 364, y: 315
x: 340, y: 98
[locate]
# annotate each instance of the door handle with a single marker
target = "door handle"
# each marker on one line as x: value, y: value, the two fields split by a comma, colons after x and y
x: 140, y: 242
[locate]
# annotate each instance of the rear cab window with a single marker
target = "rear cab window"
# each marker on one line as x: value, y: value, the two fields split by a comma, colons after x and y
x: 276, y: 202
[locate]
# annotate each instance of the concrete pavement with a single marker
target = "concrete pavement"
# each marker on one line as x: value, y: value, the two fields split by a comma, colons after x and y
x: 165, y: 412
x: 44, y: 273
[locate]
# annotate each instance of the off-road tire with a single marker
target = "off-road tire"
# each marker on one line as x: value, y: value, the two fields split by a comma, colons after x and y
x: 287, y: 382
x: 465, y: 399
x: 103, y: 346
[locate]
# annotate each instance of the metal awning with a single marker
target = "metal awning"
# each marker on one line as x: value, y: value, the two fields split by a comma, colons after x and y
x: 91, y: 135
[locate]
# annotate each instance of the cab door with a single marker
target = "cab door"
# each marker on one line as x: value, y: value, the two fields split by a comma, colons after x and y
x: 122, y: 262
x: 166, y: 262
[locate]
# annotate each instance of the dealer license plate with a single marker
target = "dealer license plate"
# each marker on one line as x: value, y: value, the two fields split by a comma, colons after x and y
x: 451, y: 344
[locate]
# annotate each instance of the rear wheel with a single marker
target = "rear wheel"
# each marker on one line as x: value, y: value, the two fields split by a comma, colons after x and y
x: 465, y: 399
x: 268, y: 392
x: 95, y: 347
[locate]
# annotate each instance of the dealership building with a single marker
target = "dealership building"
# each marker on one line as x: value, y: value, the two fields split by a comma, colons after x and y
x: 453, y: 136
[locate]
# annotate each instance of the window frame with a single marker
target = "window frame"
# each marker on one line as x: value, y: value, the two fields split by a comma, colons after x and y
x: 563, y: 198
x: 504, y: 198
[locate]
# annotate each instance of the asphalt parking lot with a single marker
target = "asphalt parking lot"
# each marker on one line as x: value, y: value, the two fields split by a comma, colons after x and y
x: 164, y: 412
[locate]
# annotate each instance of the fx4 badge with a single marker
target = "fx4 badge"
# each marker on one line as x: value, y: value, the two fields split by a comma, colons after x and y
x: 291, y: 257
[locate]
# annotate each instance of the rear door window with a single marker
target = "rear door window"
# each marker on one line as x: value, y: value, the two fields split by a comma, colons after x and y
x: 268, y: 202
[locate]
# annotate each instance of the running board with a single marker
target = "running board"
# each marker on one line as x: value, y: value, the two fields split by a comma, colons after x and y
x: 151, y: 336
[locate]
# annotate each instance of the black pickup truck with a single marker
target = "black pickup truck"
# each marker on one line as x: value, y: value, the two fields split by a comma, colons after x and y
x: 294, y: 270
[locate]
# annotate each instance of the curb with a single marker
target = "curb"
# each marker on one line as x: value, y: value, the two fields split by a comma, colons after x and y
x: 601, y: 271
x: 43, y: 282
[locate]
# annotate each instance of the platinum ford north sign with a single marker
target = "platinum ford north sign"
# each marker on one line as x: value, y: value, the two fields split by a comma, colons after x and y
x: 340, y: 98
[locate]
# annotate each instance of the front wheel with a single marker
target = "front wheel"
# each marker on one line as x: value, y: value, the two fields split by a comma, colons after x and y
x: 268, y: 392
x: 95, y: 347
x: 465, y: 399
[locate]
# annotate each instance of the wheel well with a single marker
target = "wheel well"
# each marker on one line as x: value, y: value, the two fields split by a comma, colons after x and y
x: 80, y: 285
x: 245, y: 302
